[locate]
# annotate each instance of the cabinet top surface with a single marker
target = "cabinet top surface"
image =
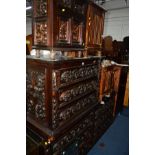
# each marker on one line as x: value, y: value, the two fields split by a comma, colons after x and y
x: 48, y: 60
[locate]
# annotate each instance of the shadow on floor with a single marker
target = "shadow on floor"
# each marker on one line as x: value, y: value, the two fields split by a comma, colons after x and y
x: 115, y: 141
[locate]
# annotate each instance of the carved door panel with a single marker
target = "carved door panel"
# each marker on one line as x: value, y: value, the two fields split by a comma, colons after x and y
x: 40, y: 33
x: 77, y: 35
x: 63, y: 35
x: 94, y: 26
x: 40, y: 24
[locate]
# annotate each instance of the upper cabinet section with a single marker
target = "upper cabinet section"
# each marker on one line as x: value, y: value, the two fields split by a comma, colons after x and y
x: 94, y: 26
x: 59, y: 23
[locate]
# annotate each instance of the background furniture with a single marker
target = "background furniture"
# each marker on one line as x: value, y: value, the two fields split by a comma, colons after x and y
x: 109, y: 84
x: 126, y: 95
x: 122, y: 88
x: 107, y: 46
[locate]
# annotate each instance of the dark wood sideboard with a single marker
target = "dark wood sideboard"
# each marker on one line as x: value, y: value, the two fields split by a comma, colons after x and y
x: 63, y: 110
x: 64, y: 114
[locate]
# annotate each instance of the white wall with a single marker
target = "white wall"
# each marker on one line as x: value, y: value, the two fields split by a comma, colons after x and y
x: 28, y: 26
x: 117, y: 23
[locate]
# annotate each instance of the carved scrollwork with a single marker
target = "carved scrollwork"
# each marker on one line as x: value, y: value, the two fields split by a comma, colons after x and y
x: 30, y: 105
x: 40, y: 110
x: 63, y: 27
x: 68, y: 95
x: 54, y: 113
x: 40, y: 33
x: 35, y: 97
x: 77, y: 130
x: 41, y: 8
x: 76, y: 74
x: 60, y: 118
x: 77, y: 33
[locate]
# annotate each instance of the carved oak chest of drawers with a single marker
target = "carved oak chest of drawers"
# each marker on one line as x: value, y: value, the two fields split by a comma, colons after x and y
x: 60, y: 99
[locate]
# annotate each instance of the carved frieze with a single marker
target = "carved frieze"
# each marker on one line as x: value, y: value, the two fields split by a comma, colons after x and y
x: 76, y: 74
x: 70, y: 94
x: 35, y: 97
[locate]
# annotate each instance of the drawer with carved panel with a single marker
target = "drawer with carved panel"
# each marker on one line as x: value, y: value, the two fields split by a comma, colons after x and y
x: 81, y: 133
x: 62, y: 116
x: 74, y: 72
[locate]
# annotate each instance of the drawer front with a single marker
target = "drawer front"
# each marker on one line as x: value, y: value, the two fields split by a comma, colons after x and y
x: 74, y: 134
x: 77, y: 91
x: 73, y: 72
x: 61, y: 116
x: 73, y: 75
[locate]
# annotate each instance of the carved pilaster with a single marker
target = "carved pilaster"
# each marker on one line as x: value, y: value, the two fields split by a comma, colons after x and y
x: 35, y: 97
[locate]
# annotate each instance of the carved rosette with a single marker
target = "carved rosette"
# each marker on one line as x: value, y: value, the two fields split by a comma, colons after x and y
x: 70, y: 94
x: 76, y: 131
x: 76, y: 74
x: 35, y: 94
